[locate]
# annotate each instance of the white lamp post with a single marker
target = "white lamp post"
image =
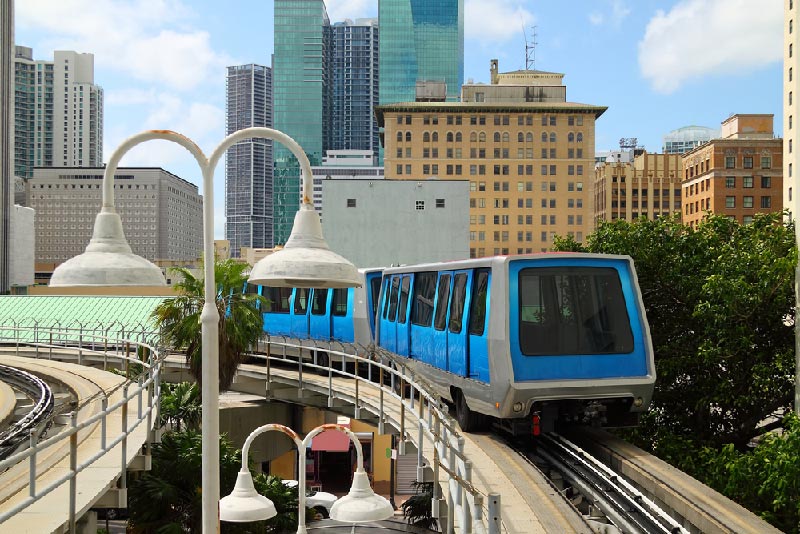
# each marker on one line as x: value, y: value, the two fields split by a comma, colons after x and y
x: 358, y: 506
x: 108, y: 261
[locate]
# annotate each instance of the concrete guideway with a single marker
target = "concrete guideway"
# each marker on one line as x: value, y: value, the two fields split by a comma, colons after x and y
x: 98, y: 472
x: 8, y: 403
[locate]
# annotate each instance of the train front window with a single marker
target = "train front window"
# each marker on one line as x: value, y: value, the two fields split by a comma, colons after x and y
x: 376, y: 289
x: 572, y: 310
x: 477, y: 312
x: 319, y: 303
x: 339, y: 304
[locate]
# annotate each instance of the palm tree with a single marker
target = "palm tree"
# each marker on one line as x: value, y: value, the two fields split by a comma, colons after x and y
x: 240, y: 324
x: 180, y: 405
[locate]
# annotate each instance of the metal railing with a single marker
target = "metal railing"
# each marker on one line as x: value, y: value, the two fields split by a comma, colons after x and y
x: 421, y: 410
x: 141, y: 363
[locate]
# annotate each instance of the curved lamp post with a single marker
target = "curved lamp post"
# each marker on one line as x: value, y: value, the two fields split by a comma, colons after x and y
x: 306, y: 260
x: 244, y: 504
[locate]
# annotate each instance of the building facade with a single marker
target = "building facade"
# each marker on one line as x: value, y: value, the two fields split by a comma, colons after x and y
x: 687, y: 138
x: 302, y: 81
x: 58, y: 112
x: 420, y: 41
x: 341, y: 165
x: 649, y: 186
x: 791, y: 107
x: 529, y: 166
x: 248, y: 164
x: 738, y: 175
x: 162, y: 214
x: 355, y: 86
x: 6, y: 138
x: 379, y: 223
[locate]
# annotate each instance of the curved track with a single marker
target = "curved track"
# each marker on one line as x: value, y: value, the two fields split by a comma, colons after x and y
x: 43, y: 405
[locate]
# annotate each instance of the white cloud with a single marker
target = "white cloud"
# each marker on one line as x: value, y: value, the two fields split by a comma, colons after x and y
x: 496, y: 21
x: 146, y: 39
x: 617, y: 13
x: 338, y: 10
x: 706, y: 37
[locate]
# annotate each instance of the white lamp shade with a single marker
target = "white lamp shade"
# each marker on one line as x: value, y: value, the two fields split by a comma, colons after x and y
x: 108, y: 260
x: 361, y: 504
x: 245, y: 504
x: 306, y: 260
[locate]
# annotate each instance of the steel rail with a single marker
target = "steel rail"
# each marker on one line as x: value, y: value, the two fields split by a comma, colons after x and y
x: 44, y: 403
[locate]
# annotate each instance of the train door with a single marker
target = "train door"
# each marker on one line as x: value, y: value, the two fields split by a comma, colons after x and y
x: 341, y: 312
x: 373, y: 295
x: 389, y: 314
x: 477, y: 324
x: 299, y: 315
x: 440, y: 320
x: 319, y: 321
x: 402, y: 316
x: 457, y: 346
x: 423, y: 295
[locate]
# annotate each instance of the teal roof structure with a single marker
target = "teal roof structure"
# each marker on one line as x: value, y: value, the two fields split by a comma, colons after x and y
x: 87, y: 313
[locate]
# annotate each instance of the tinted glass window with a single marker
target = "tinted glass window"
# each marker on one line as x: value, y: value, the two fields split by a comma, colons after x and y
x: 477, y: 311
x: 277, y: 299
x: 385, y: 297
x: 300, y: 300
x: 339, y: 304
x: 422, y: 300
x: 375, y: 287
x: 457, y: 302
x: 393, y: 299
x: 575, y: 310
x: 319, y: 303
x: 251, y: 288
x: 442, y: 299
x: 403, y: 306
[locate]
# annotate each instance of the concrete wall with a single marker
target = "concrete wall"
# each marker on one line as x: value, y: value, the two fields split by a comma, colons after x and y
x: 22, y: 246
x: 386, y: 226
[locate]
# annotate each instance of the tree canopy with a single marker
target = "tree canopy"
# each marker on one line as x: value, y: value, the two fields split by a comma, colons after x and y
x: 720, y: 303
x: 240, y: 324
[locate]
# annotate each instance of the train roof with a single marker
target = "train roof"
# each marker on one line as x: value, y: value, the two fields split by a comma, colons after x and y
x: 498, y: 260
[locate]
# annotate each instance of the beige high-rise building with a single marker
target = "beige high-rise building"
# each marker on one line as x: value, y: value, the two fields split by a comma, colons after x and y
x: 527, y: 154
x: 649, y: 186
x: 162, y: 214
x: 791, y: 108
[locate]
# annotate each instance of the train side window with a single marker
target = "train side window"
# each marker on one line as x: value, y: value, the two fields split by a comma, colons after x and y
x: 339, y: 304
x: 385, y: 297
x: 457, y: 302
x: 401, y: 310
x: 300, y: 300
x: 422, y: 300
x: 277, y: 299
x: 319, y: 302
x: 251, y: 289
x: 376, y: 293
x: 393, y: 298
x: 442, y: 298
x: 477, y: 311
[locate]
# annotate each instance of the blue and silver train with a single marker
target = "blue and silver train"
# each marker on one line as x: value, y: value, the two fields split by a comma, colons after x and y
x: 527, y: 341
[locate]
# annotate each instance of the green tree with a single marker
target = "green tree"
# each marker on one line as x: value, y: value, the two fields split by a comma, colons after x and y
x: 240, y: 324
x: 717, y: 299
x: 180, y: 405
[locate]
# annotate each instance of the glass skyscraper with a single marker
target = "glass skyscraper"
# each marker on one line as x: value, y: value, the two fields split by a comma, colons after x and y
x: 302, y: 98
x: 420, y: 40
x: 355, y: 86
x: 248, y: 164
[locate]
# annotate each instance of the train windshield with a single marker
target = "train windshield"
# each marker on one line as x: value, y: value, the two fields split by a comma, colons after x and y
x: 572, y: 310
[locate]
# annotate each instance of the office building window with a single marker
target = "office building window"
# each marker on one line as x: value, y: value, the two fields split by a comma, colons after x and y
x: 730, y: 182
x: 730, y: 162
x: 351, y: 203
x: 766, y: 202
x: 747, y: 182
x: 730, y: 202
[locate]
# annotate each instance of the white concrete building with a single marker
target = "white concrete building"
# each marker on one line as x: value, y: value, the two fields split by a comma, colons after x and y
x: 343, y: 165
x: 791, y: 94
x: 162, y: 214
x: 23, y: 239
x: 378, y: 223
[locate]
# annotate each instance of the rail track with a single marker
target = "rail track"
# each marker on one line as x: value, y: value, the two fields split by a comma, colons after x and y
x: 36, y: 419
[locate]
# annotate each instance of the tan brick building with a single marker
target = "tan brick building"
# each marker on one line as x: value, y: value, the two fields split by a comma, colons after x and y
x: 530, y: 165
x: 650, y: 186
x: 739, y: 175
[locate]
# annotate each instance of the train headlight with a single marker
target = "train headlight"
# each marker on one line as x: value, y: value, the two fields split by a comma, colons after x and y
x: 517, y: 407
x: 638, y: 402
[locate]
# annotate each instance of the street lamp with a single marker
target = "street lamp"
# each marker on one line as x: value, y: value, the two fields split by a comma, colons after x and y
x: 361, y: 505
x: 306, y: 259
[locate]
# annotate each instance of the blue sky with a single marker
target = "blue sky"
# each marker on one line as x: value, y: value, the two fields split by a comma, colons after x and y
x: 657, y: 65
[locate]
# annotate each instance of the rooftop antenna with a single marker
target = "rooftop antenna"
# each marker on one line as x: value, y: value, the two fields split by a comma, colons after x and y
x: 530, y: 50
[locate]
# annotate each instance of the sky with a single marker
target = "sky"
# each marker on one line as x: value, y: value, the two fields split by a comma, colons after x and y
x: 657, y: 65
